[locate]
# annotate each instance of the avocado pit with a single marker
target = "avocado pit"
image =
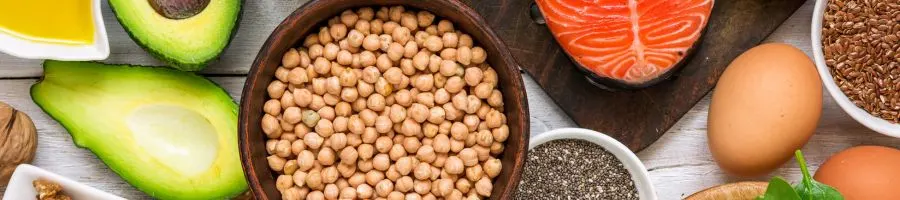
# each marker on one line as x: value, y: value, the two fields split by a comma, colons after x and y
x: 178, y: 9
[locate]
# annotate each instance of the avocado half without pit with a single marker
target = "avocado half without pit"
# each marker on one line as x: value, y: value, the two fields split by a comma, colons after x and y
x: 171, y: 134
x: 186, y: 34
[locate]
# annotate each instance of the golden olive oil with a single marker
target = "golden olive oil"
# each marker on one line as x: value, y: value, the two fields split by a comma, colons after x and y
x: 52, y: 21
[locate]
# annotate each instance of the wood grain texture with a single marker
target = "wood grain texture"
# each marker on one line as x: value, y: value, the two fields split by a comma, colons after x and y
x: 679, y: 162
x: 636, y: 118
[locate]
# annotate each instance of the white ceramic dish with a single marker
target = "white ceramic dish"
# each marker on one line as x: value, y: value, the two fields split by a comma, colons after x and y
x: 20, y: 185
x: 631, y: 162
x: 99, y: 50
x: 858, y: 114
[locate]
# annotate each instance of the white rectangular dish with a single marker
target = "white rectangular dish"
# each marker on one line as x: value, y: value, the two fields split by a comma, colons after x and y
x: 23, y: 48
x: 20, y: 185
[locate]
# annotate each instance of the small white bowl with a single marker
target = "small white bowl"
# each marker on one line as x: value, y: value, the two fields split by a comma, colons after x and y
x: 629, y: 160
x: 20, y: 185
x: 872, y: 122
x: 23, y: 48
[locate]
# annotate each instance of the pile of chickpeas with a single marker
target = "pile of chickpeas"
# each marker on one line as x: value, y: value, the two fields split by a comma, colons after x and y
x: 385, y: 103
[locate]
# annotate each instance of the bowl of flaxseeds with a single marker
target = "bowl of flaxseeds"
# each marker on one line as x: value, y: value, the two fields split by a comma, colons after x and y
x: 576, y: 163
x: 856, y: 46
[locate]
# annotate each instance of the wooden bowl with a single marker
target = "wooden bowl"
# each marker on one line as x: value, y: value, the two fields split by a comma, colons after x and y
x: 312, y: 15
x: 732, y: 191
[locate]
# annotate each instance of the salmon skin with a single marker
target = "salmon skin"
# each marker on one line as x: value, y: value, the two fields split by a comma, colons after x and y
x: 627, y: 43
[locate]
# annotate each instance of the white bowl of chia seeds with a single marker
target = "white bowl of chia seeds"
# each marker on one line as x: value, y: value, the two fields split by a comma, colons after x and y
x: 854, y: 57
x: 576, y: 163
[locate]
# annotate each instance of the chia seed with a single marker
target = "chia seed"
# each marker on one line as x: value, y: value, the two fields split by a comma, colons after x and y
x: 574, y: 169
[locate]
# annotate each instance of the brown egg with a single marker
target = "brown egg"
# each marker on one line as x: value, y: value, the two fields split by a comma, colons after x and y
x: 863, y: 172
x: 766, y: 105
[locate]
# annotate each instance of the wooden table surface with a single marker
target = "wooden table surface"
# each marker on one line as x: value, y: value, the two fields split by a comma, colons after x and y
x: 679, y: 163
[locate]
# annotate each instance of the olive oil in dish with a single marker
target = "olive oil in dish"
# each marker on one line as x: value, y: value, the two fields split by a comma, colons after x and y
x: 48, y: 21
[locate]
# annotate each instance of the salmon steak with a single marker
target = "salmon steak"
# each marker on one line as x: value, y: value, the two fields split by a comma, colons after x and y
x: 627, y: 43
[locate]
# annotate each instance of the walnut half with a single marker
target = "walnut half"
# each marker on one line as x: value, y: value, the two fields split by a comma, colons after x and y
x: 18, y: 141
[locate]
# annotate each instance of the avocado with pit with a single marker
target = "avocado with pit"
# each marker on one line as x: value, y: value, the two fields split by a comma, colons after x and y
x: 186, y: 34
x: 169, y: 133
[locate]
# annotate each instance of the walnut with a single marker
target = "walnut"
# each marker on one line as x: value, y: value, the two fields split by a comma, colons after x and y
x: 48, y: 190
x: 18, y: 141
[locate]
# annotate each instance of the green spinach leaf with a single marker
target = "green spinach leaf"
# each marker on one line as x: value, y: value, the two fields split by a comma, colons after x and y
x: 810, y: 189
x: 779, y: 189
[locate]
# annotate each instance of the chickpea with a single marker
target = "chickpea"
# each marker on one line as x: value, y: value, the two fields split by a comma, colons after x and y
x: 441, y: 143
x: 404, y: 184
x: 291, y: 59
x: 398, y: 113
x: 478, y: 55
x: 450, y: 40
x: 484, y: 186
x: 276, y: 89
x: 492, y: 167
x: 376, y: 103
x: 395, y: 51
x: 408, y: 20
x: 422, y: 171
x: 448, y: 54
x: 325, y: 35
x: 326, y: 156
x: 421, y: 187
x: 271, y: 126
x: 493, y: 119
x: 377, y: 26
x: 485, y: 138
x: 411, y: 144
x: 330, y: 52
x: 410, y: 49
x: 401, y: 35
x: 397, y: 151
x: 366, y: 151
x: 371, y: 43
x: 331, y: 191
x: 314, y: 180
x: 433, y: 43
x: 424, y: 18
x: 383, y: 88
x: 272, y: 107
x: 403, y: 97
x: 297, y: 76
x: 420, y: 60
x: 455, y: 195
x: 410, y: 128
x: 283, y: 182
x: 346, y: 171
x: 429, y: 130
x: 364, y: 191
x: 454, y: 165
x: 368, y: 117
x: 310, y: 118
x: 348, y: 193
x: 495, y: 99
x: 276, y: 162
x: 281, y: 74
x: 381, y: 162
x: 365, y: 13
x: 305, y: 160
x: 434, y: 65
x: 316, y: 50
x: 338, y: 31
x: 283, y: 148
x: 310, y: 40
x: 459, y: 131
x: 465, y: 40
x: 373, y: 177
x: 384, y: 188
x: 444, y: 26
x: 324, y: 127
x: 463, y: 185
x: 364, y: 165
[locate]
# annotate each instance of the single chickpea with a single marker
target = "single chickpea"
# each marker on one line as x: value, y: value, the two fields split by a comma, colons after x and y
x: 283, y: 182
x: 325, y: 35
x: 418, y: 112
x: 287, y: 99
x: 494, y: 119
x: 371, y: 74
x: 440, y: 160
x: 450, y: 39
x: 326, y: 156
x: 314, y: 180
x: 297, y: 76
x: 398, y: 113
x: 404, y: 184
x: 349, y: 94
x: 325, y: 128
x: 383, y: 88
x: 373, y: 177
x: 426, y: 154
x: 364, y: 89
x: 310, y: 118
x: 412, y: 196
x: 395, y: 195
x: 471, y: 121
x: 411, y: 144
x: 346, y: 171
x: 483, y: 90
x: 371, y: 43
x: 381, y: 162
x: 365, y: 13
x: 392, y: 174
x: 424, y: 18
x: 377, y: 27
x: 410, y: 49
x: 478, y: 55
x: 330, y: 52
x: 463, y: 185
x: 422, y: 171
x: 454, y: 165
x: 406, y: 66
x: 465, y: 40
x: 338, y: 140
x: 397, y: 152
x: 495, y: 99
x: 473, y: 103
x: 316, y: 51
x: 283, y: 148
x: 384, y: 188
x: 383, y: 144
x: 270, y: 146
x: 457, y: 145
x: 321, y: 66
x: 369, y: 135
x: 449, y: 68
x: 276, y: 163
x: 271, y: 126
x: 483, y: 152
x: 460, y: 100
x: 349, y: 156
x: 448, y: 54
x: 459, y: 131
x: 281, y: 74
x: 441, y: 143
x: 354, y: 140
x: 393, y: 75
x: 496, y: 148
x: 484, y: 186
x: 364, y: 191
x: 441, y: 96
x: 272, y: 107
x: 276, y: 89
x: 349, y: 18
x: 357, y: 179
x: 420, y: 60
x: 318, y: 86
x: 492, y: 167
x: 383, y: 62
x: 291, y: 58
x: 338, y: 31
x: 422, y: 187
x: 305, y: 160
x: 364, y: 165
x: 395, y: 51
x: 429, y: 130
x: 386, y: 39
x: 403, y: 97
x: 331, y: 191
x: 455, y: 195
x: 408, y: 20
x: 469, y: 157
x: 443, y: 187
x: 500, y: 133
x: 347, y: 193
x: 404, y: 165
x: 366, y: 151
x: 444, y: 26
x: 375, y: 102
x: 434, y: 65
x: 396, y: 12
x: 464, y: 55
x: 368, y: 117
x: 297, y: 146
x: 401, y: 35
x: 433, y: 43
x: 310, y: 40
x: 355, y: 38
x: 485, y: 138
x: 424, y: 82
x: 410, y: 128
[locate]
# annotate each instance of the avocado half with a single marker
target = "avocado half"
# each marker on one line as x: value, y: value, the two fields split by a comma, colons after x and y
x: 186, y: 34
x: 171, y: 134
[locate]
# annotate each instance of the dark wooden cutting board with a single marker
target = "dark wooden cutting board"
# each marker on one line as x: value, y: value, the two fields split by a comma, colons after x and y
x: 636, y: 118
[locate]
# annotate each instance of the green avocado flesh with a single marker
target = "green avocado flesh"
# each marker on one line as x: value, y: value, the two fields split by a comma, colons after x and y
x: 171, y: 134
x: 187, y: 44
